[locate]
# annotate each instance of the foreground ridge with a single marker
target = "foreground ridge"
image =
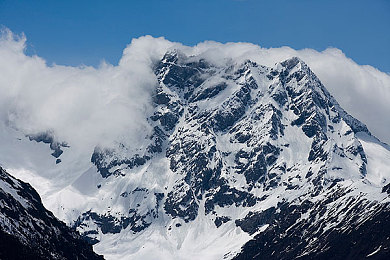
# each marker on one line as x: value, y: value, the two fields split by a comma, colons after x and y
x: 29, y: 231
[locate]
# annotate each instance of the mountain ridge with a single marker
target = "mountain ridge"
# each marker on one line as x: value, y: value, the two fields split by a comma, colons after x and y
x: 240, y: 154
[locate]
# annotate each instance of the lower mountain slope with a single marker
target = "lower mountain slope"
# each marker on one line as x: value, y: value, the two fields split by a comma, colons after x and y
x: 29, y: 231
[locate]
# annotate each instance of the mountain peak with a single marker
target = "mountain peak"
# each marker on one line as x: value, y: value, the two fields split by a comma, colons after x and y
x: 235, y: 146
x: 293, y: 62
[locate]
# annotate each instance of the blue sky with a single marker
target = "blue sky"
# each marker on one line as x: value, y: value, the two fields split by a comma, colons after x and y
x: 85, y: 32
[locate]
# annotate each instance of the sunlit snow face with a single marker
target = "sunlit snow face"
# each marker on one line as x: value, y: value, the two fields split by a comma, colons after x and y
x: 87, y: 106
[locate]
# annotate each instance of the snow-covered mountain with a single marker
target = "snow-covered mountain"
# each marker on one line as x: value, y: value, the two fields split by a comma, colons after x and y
x: 29, y: 231
x: 244, y: 161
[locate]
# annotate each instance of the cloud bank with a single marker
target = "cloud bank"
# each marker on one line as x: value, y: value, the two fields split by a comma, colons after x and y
x: 87, y: 106
x: 83, y: 106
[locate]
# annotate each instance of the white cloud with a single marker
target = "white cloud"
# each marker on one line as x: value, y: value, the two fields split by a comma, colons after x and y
x: 86, y: 106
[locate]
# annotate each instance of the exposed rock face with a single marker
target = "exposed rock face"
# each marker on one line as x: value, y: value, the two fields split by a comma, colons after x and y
x: 48, y: 138
x: 362, y: 231
x: 29, y: 231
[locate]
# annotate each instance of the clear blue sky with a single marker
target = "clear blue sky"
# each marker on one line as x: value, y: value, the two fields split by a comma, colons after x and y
x: 85, y: 32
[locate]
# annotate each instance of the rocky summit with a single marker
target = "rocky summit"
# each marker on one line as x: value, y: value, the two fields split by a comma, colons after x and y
x: 244, y: 161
